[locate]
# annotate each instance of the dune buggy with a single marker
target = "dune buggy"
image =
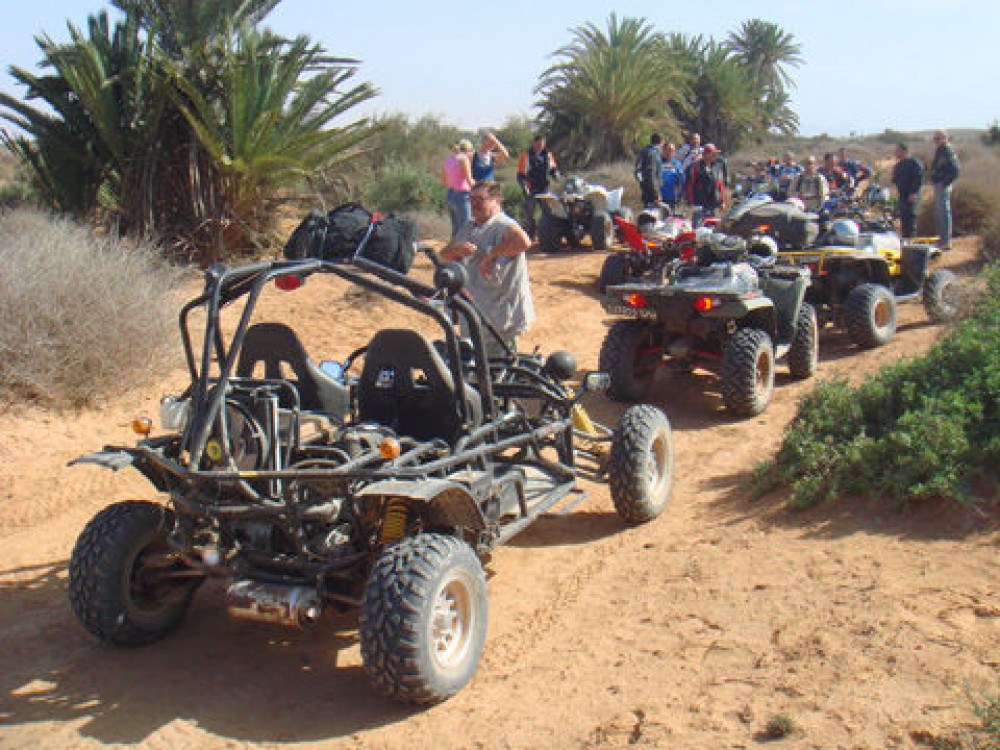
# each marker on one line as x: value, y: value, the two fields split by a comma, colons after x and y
x: 574, y: 210
x: 733, y: 312
x: 309, y: 487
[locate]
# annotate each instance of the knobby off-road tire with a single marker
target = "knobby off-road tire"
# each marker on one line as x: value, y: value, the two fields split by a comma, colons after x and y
x: 870, y: 315
x: 116, y: 584
x: 803, y: 354
x: 630, y: 359
x: 615, y: 270
x: 641, y: 465
x: 942, y: 296
x: 423, y: 619
x: 599, y: 231
x: 747, y: 372
x: 551, y: 230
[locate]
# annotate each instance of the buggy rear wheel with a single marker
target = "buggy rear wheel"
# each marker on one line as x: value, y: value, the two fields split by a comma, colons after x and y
x: 423, y: 619
x: 122, y: 582
x: 747, y: 372
x: 641, y: 466
x: 630, y: 355
x: 870, y: 315
x: 942, y: 296
x: 803, y: 354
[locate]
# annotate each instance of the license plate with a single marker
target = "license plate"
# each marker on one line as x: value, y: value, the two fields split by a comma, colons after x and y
x: 630, y: 312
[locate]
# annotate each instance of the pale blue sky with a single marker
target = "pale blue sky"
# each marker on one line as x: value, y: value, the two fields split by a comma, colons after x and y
x: 869, y: 64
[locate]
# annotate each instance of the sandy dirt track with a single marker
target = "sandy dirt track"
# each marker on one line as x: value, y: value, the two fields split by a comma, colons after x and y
x: 863, y: 625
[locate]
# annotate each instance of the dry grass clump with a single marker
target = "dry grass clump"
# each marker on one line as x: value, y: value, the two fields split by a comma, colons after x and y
x: 989, y: 247
x: 973, y: 207
x: 82, y: 316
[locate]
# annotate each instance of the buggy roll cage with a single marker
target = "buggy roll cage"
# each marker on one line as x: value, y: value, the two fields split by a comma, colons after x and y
x: 225, y: 285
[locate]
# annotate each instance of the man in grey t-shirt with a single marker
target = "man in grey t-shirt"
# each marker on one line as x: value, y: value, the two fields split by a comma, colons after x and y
x: 492, y: 247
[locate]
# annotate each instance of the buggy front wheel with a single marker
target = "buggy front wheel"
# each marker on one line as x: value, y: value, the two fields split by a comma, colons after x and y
x: 423, y: 619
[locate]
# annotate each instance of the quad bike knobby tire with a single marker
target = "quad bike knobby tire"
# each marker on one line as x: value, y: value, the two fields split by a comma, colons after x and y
x: 599, y: 231
x: 615, y: 270
x: 641, y: 464
x: 119, y: 584
x: 870, y: 315
x: 803, y: 354
x: 630, y: 358
x: 942, y: 296
x: 747, y: 372
x: 551, y: 231
x: 423, y: 619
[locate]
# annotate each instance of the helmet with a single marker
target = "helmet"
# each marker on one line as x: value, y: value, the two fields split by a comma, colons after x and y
x: 575, y: 185
x: 764, y: 247
x: 844, y: 232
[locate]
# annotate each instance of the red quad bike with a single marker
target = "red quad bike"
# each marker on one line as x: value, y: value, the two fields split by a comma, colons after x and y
x: 651, y: 244
x: 376, y: 484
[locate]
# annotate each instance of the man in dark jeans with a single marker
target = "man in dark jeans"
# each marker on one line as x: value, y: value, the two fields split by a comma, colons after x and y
x: 907, y: 176
x: 649, y: 171
x: 944, y: 171
x: 704, y: 184
x: 534, y: 169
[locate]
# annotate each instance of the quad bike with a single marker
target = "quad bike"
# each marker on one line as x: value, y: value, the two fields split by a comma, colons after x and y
x: 653, y: 242
x: 307, y: 487
x: 858, y: 277
x: 734, y: 312
x: 576, y: 210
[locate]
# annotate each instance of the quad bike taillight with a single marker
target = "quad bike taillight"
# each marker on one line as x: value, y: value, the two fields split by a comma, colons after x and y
x: 704, y: 304
x: 635, y: 300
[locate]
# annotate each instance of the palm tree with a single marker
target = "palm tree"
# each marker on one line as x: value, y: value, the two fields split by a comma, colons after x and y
x: 767, y: 51
x: 185, y: 119
x: 608, y: 90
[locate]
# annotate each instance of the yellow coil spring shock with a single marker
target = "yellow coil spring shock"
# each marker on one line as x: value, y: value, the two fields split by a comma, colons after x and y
x: 581, y: 420
x: 397, y: 513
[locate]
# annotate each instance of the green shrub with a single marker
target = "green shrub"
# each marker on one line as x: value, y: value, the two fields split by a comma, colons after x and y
x: 778, y: 727
x: 81, y: 316
x: 401, y: 186
x: 973, y: 208
x: 916, y: 429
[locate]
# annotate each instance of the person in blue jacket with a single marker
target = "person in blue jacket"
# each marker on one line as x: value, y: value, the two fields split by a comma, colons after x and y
x: 672, y: 186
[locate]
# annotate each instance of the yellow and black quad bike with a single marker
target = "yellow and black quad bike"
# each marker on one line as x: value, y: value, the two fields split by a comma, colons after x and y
x: 859, y: 277
x: 376, y: 484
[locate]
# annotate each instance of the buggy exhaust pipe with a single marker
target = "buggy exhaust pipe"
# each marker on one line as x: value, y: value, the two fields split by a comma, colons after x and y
x: 298, y: 606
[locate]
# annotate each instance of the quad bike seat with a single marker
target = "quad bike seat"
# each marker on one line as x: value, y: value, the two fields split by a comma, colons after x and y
x: 405, y: 384
x: 276, y: 345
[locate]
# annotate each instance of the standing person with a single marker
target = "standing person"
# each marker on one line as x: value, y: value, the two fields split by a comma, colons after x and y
x: 534, y: 169
x: 855, y: 170
x: 649, y: 170
x: 907, y: 175
x: 704, y: 187
x: 787, y: 172
x: 490, y: 152
x: 491, y: 246
x: 835, y: 176
x: 944, y: 172
x: 456, y: 174
x: 810, y: 187
x: 672, y: 183
x: 689, y: 152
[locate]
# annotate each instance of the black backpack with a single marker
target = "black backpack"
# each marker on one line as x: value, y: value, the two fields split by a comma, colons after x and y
x: 338, y: 234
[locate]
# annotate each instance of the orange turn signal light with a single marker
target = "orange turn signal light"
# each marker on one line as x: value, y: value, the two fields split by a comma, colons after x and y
x: 142, y: 426
x: 389, y: 448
